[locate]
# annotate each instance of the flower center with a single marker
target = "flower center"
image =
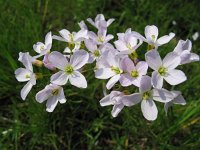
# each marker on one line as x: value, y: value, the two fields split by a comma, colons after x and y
x: 27, y: 76
x: 116, y: 70
x: 71, y: 38
x: 146, y: 95
x: 41, y: 48
x: 129, y: 46
x: 162, y: 71
x: 55, y: 92
x: 96, y: 53
x: 134, y: 74
x: 69, y: 69
x: 100, y: 39
x: 133, y: 55
x: 150, y: 47
x: 153, y: 37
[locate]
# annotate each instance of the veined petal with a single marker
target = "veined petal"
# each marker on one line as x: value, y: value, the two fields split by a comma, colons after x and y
x: 58, y: 60
x: 44, y: 94
x: 104, y: 73
x: 165, y: 39
x: 26, y: 89
x: 133, y: 99
x: 171, y: 60
x: 175, y: 77
x: 61, y: 96
x: 81, y: 35
x: 157, y: 80
x: 167, y: 105
x: 22, y: 74
x: 137, y: 81
x: 120, y: 45
x: 59, y: 78
x: 48, y: 40
x: 116, y: 109
x: 162, y: 95
x: 78, y: 80
x: 145, y: 84
x: 106, y: 101
x: 153, y: 59
x: 127, y: 64
x: 125, y: 80
x: 149, y: 109
x: 91, y: 22
x: 90, y: 45
x: 142, y: 67
x: 65, y: 34
x: 79, y: 59
x: 51, y: 103
x: 112, y: 81
x: 151, y: 33
x: 110, y: 21
x: 59, y: 38
x: 26, y: 60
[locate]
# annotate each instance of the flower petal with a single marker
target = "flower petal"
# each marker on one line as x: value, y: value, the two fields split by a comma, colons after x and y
x: 171, y: 60
x: 22, y: 74
x: 149, y: 109
x: 81, y: 35
x: 151, y: 33
x: 127, y: 65
x: 78, y: 80
x: 175, y: 77
x: 61, y: 96
x: 116, y: 109
x: 142, y: 67
x: 65, y: 34
x: 112, y: 81
x: 58, y: 60
x: 106, y: 101
x: 157, y: 80
x: 133, y: 99
x: 90, y: 45
x: 153, y: 59
x: 145, y: 84
x: 104, y: 73
x: 59, y: 78
x: 162, y: 95
x: 125, y: 80
x: 165, y: 39
x: 48, y: 40
x: 79, y: 59
x: 44, y: 94
x: 51, y: 103
x: 25, y: 90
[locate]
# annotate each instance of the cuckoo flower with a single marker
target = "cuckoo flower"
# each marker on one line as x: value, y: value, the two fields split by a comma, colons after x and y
x: 147, y: 96
x: 109, y: 67
x: 69, y: 70
x: 25, y: 74
x: 115, y: 98
x: 82, y: 25
x: 96, y: 51
x: 100, y: 37
x: 133, y: 73
x: 53, y: 94
x: 183, y: 49
x: 127, y: 42
x: 100, y: 21
x: 177, y: 99
x: 43, y: 48
x: 164, y: 69
x: 73, y: 39
x: 151, y: 37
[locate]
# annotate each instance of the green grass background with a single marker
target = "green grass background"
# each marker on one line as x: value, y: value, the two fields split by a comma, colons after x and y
x: 81, y: 123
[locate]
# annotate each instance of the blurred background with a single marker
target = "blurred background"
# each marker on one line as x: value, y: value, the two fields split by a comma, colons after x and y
x: 81, y: 123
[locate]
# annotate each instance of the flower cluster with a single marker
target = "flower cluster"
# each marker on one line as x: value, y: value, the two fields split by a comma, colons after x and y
x: 121, y: 62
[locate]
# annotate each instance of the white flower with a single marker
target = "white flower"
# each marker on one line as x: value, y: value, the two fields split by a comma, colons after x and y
x: 165, y: 69
x: 151, y: 37
x: 127, y: 42
x: 146, y: 96
x: 114, y: 98
x: 73, y: 39
x: 109, y: 67
x: 183, y: 49
x: 133, y: 73
x: 195, y: 36
x: 96, y: 51
x: 82, y: 25
x: 69, y: 70
x: 177, y: 99
x: 43, y: 48
x: 53, y: 94
x: 100, y: 21
x: 100, y: 37
x: 25, y: 74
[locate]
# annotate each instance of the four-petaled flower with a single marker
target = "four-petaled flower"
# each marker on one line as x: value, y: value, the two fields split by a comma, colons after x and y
x: 69, y: 70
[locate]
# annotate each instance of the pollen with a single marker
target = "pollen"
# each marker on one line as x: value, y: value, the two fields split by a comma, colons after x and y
x: 134, y: 74
x: 55, y: 92
x: 162, y: 71
x: 27, y: 76
x: 116, y: 70
x: 150, y: 47
x: 146, y: 95
x: 97, y: 53
x: 69, y: 69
